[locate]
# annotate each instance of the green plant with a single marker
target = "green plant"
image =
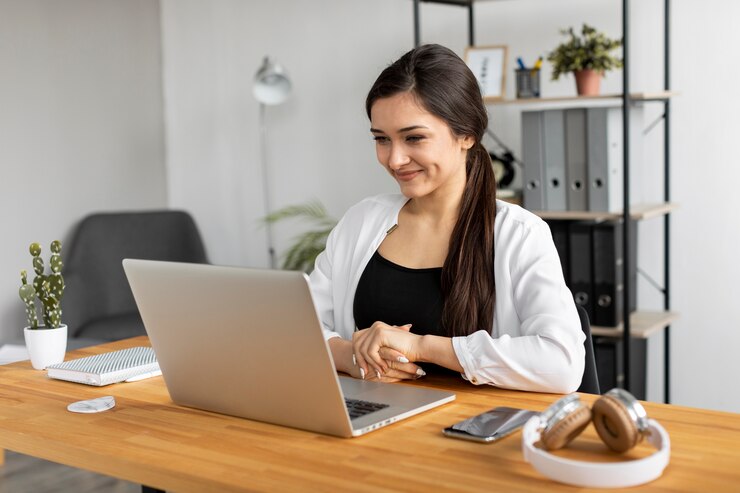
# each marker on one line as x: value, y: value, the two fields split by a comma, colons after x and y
x: 591, y: 50
x: 49, y: 289
x: 307, y: 246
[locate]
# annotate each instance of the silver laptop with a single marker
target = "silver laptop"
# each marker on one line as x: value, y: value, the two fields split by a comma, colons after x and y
x: 248, y: 343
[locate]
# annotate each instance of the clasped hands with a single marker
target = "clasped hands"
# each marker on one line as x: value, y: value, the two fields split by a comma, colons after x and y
x: 386, y: 353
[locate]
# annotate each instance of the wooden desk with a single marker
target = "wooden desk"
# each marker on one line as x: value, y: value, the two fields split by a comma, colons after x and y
x: 147, y: 439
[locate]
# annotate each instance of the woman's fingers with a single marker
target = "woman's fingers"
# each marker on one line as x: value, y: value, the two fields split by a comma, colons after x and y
x: 367, y: 345
x: 393, y: 376
x: 398, y: 361
x: 368, y: 342
x: 357, y: 356
x: 367, y: 359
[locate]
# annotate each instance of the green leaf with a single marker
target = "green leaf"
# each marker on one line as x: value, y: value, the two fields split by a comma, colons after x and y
x: 591, y: 49
x: 307, y: 246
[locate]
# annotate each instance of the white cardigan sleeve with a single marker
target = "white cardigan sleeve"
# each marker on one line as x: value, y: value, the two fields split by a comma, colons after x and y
x: 321, y: 286
x: 545, y: 353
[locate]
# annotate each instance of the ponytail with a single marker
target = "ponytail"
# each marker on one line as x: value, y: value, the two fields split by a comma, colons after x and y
x: 468, y: 286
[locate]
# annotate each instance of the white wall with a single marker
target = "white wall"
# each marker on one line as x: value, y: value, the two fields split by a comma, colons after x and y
x: 80, y: 124
x: 319, y: 145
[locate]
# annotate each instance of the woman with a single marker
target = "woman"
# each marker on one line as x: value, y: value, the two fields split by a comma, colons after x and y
x: 444, y: 273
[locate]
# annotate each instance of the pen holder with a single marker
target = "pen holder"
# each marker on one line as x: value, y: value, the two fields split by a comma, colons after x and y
x: 527, y: 83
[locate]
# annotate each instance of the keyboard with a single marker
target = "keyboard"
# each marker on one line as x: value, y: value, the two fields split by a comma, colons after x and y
x: 358, y: 408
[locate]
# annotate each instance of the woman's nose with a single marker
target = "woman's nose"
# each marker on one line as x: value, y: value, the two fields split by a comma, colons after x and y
x: 397, y: 157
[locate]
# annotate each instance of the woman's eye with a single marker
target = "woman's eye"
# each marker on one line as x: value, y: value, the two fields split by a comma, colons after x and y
x: 380, y: 139
x: 414, y: 138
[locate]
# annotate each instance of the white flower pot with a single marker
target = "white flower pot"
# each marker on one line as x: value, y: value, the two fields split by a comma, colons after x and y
x: 46, y: 346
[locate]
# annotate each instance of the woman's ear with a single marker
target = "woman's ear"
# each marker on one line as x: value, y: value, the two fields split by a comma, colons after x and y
x: 468, y: 142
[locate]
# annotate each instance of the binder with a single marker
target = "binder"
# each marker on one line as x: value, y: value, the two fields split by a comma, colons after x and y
x: 106, y: 368
x: 604, y: 159
x: 633, y: 266
x: 532, y: 156
x: 575, y: 152
x: 579, y: 261
x: 608, y: 283
x: 554, y: 159
x: 605, y: 155
x: 559, y: 231
x: 608, y: 272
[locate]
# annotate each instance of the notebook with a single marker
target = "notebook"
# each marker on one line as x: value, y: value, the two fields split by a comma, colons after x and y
x: 248, y: 343
x: 106, y: 368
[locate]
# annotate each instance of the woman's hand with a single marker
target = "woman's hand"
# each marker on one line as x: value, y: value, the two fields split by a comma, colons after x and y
x: 346, y: 362
x: 386, y: 351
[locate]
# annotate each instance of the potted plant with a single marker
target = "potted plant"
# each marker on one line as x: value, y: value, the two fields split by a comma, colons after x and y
x: 47, y: 343
x: 303, y: 253
x: 588, y: 56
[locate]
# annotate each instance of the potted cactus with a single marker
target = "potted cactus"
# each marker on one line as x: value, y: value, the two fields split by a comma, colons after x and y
x: 46, y: 343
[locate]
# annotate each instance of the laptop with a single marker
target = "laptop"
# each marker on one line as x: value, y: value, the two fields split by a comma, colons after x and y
x: 248, y: 343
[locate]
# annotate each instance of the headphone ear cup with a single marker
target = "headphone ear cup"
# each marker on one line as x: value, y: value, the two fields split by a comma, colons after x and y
x: 614, y: 425
x: 566, y: 430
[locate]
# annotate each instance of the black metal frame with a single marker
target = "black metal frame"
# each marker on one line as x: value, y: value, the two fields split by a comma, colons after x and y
x: 458, y: 3
x: 626, y: 102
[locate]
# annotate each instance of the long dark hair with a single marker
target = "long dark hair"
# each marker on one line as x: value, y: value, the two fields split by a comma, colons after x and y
x: 446, y: 87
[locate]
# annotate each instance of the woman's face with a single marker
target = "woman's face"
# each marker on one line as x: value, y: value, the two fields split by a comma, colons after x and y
x: 417, y: 148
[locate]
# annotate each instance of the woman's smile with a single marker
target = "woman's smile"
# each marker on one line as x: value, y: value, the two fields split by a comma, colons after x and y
x: 407, y: 175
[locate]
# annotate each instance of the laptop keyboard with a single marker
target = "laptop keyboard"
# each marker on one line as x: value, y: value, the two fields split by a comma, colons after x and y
x: 359, y: 408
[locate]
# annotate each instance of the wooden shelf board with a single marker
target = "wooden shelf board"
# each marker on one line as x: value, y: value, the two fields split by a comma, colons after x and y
x: 638, y: 212
x: 642, y: 325
x: 610, y: 98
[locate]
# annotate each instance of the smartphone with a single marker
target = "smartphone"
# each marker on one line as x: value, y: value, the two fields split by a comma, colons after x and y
x: 491, y: 425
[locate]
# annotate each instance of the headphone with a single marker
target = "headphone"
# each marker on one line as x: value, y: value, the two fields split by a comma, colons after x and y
x: 621, y: 422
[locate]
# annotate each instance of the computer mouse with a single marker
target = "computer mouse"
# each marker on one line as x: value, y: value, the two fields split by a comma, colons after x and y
x: 97, y: 405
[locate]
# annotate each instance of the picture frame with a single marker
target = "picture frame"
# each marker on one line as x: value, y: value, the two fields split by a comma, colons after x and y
x: 488, y: 64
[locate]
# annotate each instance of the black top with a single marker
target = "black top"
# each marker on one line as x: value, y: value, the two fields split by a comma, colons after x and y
x: 398, y: 295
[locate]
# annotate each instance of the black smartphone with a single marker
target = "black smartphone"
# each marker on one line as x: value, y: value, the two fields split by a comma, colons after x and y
x: 491, y: 425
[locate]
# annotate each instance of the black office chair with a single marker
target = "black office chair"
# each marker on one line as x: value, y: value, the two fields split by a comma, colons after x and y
x: 98, y: 305
x: 590, y: 381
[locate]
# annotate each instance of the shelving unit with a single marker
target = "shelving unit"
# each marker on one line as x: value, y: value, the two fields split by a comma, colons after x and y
x: 638, y: 97
x: 638, y: 212
x: 640, y: 324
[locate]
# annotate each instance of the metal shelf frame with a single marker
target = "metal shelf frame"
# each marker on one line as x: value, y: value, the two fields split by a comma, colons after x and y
x: 626, y: 104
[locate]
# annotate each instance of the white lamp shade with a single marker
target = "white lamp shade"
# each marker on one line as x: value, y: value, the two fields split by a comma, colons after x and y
x: 271, y: 83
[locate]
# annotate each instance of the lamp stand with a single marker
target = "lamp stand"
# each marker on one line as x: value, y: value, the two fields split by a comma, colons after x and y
x: 266, y: 187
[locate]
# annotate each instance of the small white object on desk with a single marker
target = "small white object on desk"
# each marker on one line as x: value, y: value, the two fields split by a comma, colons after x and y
x: 93, y: 405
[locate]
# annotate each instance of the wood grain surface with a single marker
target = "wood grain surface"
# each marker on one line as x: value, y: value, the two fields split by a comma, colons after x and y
x: 147, y: 439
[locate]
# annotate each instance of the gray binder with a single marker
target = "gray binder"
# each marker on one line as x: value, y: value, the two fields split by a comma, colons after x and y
x: 605, y: 155
x: 605, y: 163
x: 554, y: 158
x: 532, y: 156
x: 575, y: 151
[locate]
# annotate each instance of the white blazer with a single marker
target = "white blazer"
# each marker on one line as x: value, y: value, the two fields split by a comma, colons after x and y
x: 536, y: 342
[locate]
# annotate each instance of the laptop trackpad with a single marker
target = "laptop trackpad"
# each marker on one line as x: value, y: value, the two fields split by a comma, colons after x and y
x: 384, y: 393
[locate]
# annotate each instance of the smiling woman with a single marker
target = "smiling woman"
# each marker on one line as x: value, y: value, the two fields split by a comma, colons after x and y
x: 444, y: 274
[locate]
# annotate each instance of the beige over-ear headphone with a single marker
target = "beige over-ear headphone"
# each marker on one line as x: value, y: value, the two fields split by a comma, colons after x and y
x: 617, y: 416
x: 621, y: 422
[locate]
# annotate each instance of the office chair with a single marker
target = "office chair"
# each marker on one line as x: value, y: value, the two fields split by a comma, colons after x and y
x: 590, y: 381
x: 98, y: 304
